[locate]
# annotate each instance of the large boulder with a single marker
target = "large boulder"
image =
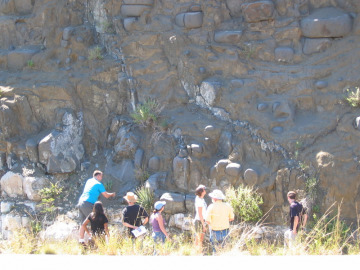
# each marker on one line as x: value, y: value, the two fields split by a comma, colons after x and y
x: 63, y: 229
x: 258, y: 11
x: 12, y: 184
x: 233, y: 169
x: 62, y: 150
x: 33, y: 185
x: 181, y: 168
x: 326, y: 22
x: 126, y: 143
x: 175, y: 203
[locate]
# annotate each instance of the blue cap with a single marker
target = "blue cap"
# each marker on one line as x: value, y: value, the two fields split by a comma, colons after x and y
x: 159, y: 204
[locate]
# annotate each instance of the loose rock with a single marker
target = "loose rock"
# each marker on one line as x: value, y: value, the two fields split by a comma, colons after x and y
x: 326, y: 22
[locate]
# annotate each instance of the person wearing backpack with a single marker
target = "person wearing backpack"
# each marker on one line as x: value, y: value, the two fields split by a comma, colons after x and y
x: 297, y: 217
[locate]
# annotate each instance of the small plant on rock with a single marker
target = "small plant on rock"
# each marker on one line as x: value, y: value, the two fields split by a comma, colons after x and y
x: 353, y: 97
x: 246, y: 203
x: 146, y: 198
x: 147, y: 114
x: 108, y: 27
x: 311, y: 185
x: 141, y: 175
x: 247, y: 51
x: 95, y: 54
x: 30, y: 63
x: 109, y: 185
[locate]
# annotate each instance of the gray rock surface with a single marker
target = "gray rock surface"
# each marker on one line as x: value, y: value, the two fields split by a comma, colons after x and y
x: 251, y: 177
x: 189, y: 19
x: 233, y: 169
x: 154, y: 163
x: 62, y: 151
x: 326, y: 22
x: 126, y: 143
x: 175, y: 203
x: 12, y: 184
x: 284, y: 54
x: 19, y: 58
x: 258, y: 11
x: 315, y: 45
x: 231, y: 37
x: 134, y: 10
x: 181, y: 168
x: 33, y: 185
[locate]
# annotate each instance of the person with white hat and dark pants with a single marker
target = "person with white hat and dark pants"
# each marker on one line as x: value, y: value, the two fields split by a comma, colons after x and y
x: 218, y: 216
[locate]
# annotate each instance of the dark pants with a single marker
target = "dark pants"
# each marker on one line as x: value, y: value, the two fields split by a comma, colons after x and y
x: 85, y: 208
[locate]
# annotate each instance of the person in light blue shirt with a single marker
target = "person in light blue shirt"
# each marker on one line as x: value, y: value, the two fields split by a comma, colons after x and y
x: 92, y: 190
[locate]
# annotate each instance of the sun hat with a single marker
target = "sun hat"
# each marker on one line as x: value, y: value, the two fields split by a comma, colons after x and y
x: 131, y: 197
x: 159, y: 204
x: 217, y: 194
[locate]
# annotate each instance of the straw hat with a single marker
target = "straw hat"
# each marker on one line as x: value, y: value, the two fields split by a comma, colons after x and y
x: 131, y: 197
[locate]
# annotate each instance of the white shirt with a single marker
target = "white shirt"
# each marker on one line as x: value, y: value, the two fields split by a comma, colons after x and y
x: 200, y: 202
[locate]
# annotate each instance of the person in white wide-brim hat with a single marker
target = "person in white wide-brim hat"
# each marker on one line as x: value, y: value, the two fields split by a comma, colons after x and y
x: 218, y: 216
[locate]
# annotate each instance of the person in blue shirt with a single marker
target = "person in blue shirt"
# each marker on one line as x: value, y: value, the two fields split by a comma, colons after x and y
x: 92, y: 190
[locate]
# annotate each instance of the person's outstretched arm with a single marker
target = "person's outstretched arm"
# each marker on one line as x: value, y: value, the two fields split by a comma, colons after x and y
x: 108, y: 195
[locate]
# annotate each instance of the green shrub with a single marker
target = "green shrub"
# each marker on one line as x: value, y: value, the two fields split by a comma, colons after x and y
x: 48, y: 196
x: 311, y: 185
x: 353, y: 97
x: 109, y: 185
x: 146, y: 198
x: 95, y: 54
x: 30, y: 63
x: 245, y: 202
x: 147, y: 114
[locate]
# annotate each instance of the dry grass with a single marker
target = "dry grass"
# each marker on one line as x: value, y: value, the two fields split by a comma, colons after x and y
x: 328, y: 236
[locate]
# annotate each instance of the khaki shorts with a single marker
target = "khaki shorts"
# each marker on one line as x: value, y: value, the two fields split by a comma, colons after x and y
x: 198, y: 226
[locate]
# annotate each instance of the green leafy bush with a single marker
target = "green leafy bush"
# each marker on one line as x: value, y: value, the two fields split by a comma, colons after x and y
x: 146, y: 198
x: 245, y: 202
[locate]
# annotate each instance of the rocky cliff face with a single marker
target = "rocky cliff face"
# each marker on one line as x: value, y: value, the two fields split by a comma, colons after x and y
x: 250, y: 92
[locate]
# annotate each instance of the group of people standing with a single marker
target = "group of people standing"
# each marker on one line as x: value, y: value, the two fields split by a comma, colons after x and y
x: 91, y: 211
x: 214, y: 218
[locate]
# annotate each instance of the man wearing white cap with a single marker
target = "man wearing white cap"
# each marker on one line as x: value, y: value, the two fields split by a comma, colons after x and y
x: 218, y: 216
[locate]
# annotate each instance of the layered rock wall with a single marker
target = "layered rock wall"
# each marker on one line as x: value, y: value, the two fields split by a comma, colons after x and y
x: 251, y: 92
